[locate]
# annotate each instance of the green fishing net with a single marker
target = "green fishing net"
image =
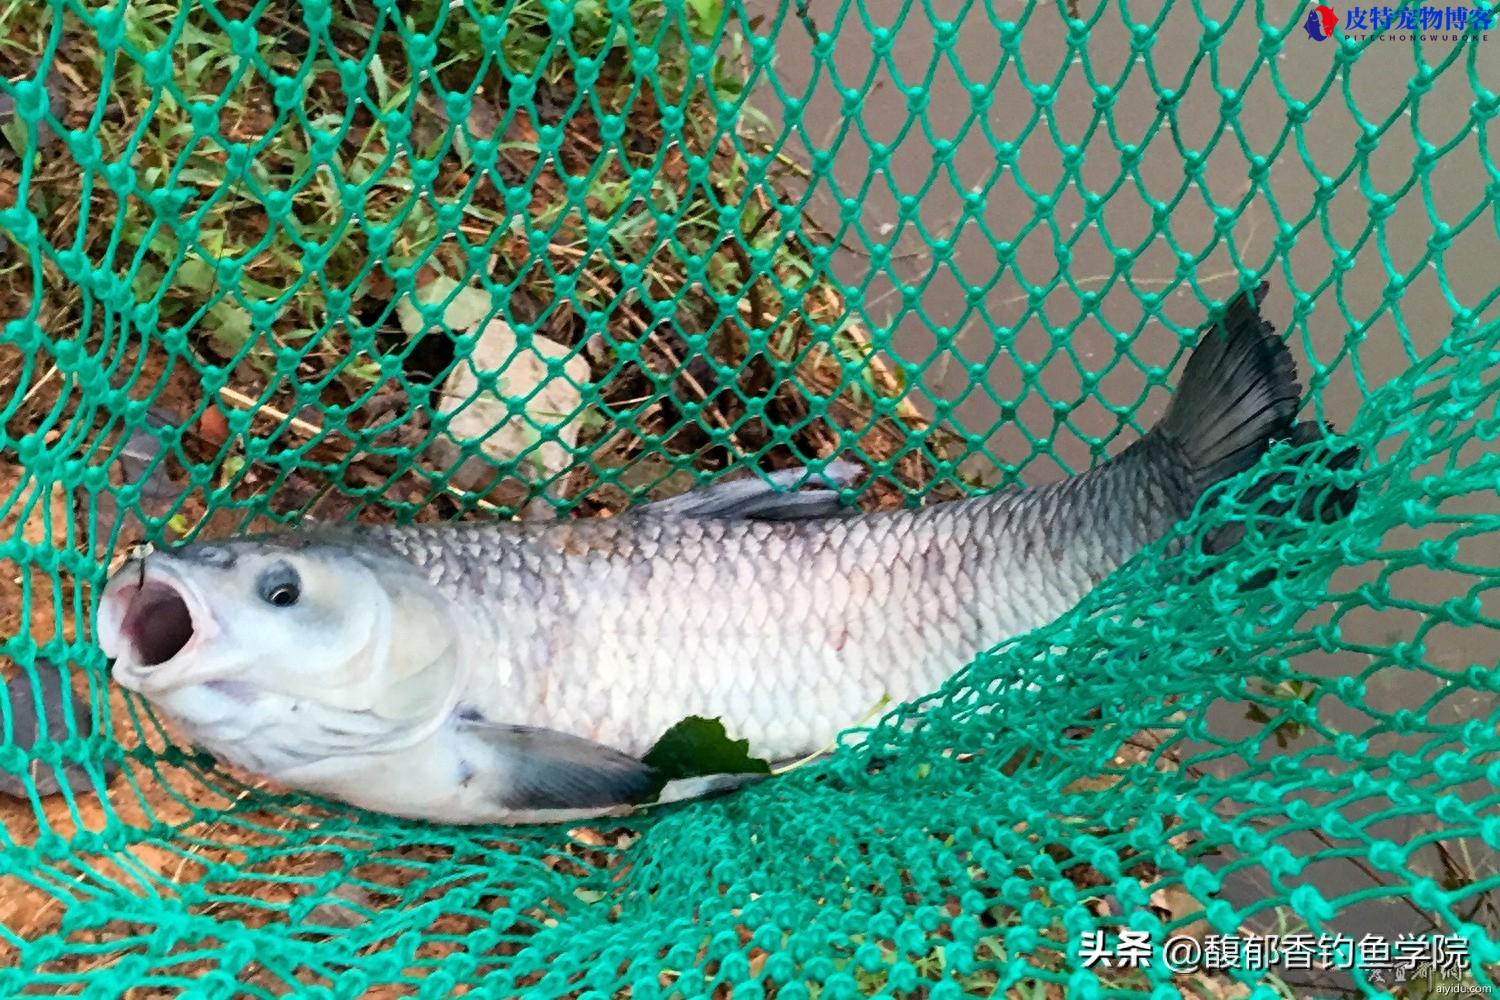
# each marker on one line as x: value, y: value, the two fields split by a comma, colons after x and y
x: 267, y: 262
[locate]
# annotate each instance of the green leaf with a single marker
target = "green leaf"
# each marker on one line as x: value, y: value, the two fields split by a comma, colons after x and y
x: 147, y: 281
x: 709, y: 13
x: 15, y: 135
x: 468, y: 307
x: 696, y: 747
x: 229, y: 326
x: 382, y: 81
x: 197, y: 275
x: 232, y: 467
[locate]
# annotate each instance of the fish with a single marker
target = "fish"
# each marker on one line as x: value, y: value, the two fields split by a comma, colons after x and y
x: 518, y: 672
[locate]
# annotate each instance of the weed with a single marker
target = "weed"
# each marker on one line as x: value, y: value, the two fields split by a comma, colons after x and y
x: 288, y: 188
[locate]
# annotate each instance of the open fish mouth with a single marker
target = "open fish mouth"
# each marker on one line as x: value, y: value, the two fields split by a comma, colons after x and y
x: 157, y: 623
x: 148, y: 618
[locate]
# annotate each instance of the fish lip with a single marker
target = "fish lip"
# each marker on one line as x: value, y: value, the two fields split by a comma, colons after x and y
x: 137, y: 587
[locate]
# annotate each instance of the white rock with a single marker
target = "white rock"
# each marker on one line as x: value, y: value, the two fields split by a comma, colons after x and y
x: 504, y: 420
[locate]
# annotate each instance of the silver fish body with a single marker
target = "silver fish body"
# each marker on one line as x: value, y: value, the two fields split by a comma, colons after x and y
x: 515, y: 672
x: 615, y: 629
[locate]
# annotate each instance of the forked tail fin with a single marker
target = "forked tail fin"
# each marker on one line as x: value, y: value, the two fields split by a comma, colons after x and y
x: 1239, y: 395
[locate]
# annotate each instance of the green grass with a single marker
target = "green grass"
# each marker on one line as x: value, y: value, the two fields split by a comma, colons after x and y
x: 637, y: 219
x: 336, y: 194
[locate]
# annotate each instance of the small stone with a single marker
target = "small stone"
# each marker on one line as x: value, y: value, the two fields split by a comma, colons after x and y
x: 213, y: 427
x: 338, y: 908
x: 541, y: 401
x: 58, y: 709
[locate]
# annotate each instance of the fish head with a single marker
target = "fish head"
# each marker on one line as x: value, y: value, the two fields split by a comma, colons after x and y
x: 276, y: 651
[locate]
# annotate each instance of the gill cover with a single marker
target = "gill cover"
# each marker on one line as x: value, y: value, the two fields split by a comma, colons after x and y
x: 405, y: 667
x: 422, y: 653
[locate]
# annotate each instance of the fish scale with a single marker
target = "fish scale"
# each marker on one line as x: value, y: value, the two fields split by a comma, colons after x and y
x: 948, y: 580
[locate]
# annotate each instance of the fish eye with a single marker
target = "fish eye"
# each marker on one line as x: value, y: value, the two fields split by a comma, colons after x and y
x: 279, y: 586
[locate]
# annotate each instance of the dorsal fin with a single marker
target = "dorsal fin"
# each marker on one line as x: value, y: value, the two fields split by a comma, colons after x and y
x: 774, y: 497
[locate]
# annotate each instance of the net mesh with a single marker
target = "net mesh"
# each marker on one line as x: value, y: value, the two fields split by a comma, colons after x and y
x: 276, y: 263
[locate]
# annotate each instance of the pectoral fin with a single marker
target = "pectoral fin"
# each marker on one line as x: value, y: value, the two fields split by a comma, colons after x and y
x: 547, y: 769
